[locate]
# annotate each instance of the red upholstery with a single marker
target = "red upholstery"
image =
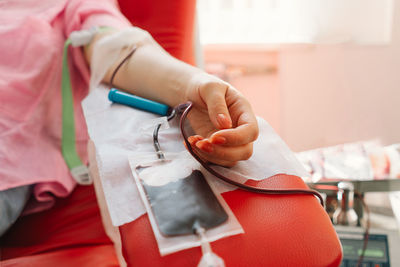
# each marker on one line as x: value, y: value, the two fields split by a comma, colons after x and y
x: 69, y: 234
x: 94, y: 255
x: 171, y: 23
x: 279, y: 231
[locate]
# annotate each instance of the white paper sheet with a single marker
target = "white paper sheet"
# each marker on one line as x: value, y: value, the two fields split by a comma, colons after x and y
x: 119, y: 132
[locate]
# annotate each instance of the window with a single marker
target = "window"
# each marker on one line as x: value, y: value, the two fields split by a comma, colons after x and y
x: 237, y: 21
x: 295, y: 21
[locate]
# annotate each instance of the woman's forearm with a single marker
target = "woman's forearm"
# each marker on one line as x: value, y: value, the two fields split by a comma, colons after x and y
x: 150, y: 73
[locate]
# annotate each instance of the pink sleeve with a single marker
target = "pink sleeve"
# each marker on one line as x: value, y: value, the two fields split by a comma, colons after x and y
x: 85, y: 14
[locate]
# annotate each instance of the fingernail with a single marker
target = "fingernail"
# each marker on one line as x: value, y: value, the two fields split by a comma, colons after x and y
x: 205, y: 146
x: 192, y: 139
x: 199, y: 137
x: 218, y: 140
x: 223, y: 121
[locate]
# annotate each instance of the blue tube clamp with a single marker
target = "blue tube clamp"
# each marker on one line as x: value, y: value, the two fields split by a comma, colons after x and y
x: 138, y: 102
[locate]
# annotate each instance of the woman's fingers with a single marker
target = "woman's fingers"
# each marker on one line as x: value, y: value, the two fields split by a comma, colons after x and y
x: 194, y: 139
x: 222, y: 155
x: 241, y: 135
x: 213, y: 95
x: 245, y: 126
x: 217, y: 153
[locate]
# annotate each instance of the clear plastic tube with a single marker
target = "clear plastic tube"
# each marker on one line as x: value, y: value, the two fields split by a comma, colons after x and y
x: 209, y: 258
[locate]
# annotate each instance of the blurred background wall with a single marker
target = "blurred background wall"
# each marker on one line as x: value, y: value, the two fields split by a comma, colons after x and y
x: 331, y: 94
x: 317, y: 95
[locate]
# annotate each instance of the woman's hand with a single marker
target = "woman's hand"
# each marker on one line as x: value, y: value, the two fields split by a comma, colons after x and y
x: 222, y: 119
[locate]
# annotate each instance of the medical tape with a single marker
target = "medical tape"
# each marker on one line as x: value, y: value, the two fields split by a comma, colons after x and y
x: 113, y: 45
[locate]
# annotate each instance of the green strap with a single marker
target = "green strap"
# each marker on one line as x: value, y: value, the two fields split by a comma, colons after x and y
x: 68, y: 144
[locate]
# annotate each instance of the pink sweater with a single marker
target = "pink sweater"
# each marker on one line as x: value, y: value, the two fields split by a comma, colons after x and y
x: 32, y: 35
